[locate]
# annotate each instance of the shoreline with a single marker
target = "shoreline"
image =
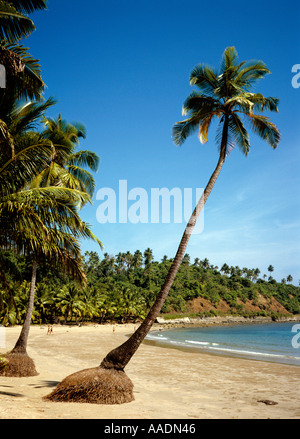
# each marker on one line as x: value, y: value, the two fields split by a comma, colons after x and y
x: 168, y: 383
x: 242, y: 352
x: 187, y: 322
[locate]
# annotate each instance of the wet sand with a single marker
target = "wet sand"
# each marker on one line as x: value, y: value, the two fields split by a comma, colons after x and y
x: 168, y: 383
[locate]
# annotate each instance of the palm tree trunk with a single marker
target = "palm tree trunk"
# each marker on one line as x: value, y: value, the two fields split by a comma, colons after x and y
x: 21, y: 344
x: 118, y: 358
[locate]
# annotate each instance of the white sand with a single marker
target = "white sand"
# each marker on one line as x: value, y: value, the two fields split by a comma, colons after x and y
x: 168, y: 383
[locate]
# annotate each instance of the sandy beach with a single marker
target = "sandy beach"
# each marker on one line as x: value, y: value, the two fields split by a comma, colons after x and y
x: 168, y: 383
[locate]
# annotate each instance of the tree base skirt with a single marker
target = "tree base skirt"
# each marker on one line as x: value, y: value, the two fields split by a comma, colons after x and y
x: 96, y: 386
x: 17, y: 365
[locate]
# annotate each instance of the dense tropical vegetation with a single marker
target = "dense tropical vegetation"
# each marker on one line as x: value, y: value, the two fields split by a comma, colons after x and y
x: 120, y: 289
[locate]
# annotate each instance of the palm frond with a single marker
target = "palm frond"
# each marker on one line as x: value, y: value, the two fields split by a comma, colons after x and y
x: 268, y: 131
x: 27, y: 117
x: 13, y: 25
x: 229, y: 60
x: 251, y: 72
x: 84, y: 179
x: 262, y: 103
x: 22, y: 167
x: 29, y: 6
x: 239, y: 133
x: 85, y: 158
x: 205, y: 79
x: 197, y: 102
x: 182, y: 130
x: 240, y: 103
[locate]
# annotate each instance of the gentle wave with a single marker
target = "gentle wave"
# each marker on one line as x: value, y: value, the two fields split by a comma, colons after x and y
x: 156, y: 337
x: 254, y: 353
x: 218, y: 348
x: 201, y: 342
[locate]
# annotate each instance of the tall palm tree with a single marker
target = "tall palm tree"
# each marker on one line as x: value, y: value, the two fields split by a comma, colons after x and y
x: 223, y: 94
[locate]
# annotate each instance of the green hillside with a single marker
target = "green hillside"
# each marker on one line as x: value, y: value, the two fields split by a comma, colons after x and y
x: 121, y: 288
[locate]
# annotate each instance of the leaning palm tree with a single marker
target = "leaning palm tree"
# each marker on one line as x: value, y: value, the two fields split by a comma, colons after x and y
x: 224, y: 94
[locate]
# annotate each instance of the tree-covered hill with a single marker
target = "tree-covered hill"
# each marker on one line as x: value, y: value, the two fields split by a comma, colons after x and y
x: 123, y: 287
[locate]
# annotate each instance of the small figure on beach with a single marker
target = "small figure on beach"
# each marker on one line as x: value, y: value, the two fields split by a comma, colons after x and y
x: 50, y: 330
x: 114, y: 329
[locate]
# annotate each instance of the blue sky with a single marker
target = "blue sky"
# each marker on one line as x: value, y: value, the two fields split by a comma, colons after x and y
x: 122, y: 69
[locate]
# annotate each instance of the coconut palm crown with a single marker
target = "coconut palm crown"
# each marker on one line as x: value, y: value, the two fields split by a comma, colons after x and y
x: 225, y: 94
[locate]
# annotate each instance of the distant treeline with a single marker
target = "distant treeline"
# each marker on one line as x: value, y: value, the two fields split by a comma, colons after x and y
x: 122, y: 288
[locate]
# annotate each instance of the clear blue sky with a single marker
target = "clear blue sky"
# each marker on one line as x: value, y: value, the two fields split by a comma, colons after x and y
x: 122, y: 69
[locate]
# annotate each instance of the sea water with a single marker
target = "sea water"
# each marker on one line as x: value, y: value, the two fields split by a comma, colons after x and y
x: 276, y: 342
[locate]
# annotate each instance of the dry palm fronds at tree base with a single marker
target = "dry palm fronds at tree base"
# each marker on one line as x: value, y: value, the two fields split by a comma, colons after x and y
x: 95, y: 385
x: 17, y: 365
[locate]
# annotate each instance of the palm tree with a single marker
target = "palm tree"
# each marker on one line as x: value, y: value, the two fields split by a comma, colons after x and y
x: 70, y: 302
x: 223, y: 94
x: 225, y: 268
x: 120, y: 261
x: 148, y: 258
x: 89, y: 303
x: 63, y: 168
x: 205, y: 263
x: 196, y: 262
x: 42, y: 222
x: 137, y: 259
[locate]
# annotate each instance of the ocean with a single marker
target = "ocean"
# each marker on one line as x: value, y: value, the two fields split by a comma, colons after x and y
x: 275, y: 342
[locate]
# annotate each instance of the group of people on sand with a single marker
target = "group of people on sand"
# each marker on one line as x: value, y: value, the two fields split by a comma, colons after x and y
x: 50, y: 330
